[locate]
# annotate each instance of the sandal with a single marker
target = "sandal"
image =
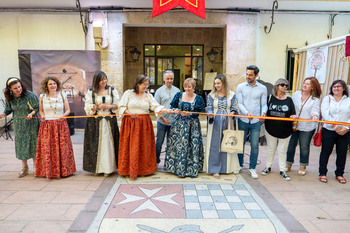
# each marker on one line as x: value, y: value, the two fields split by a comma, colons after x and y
x: 216, y: 175
x: 23, y: 172
x: 289, y: 167
x: 341, y: 179
x: 302, y: 172
x: 323, y: 179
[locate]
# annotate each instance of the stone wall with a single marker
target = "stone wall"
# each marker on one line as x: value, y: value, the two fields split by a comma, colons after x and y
x: 237, y: 33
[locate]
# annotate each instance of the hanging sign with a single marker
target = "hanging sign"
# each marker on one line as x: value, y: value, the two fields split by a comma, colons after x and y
x: 196, y: 7
x: 317, y: 64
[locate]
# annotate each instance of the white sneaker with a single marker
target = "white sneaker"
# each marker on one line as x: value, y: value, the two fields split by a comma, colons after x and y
x: 253, y: 173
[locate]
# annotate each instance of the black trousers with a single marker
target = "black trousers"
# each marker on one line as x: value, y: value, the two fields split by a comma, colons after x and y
x: 329, y: 139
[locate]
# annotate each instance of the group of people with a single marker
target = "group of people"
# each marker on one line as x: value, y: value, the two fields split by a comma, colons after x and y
x: 135, y: 151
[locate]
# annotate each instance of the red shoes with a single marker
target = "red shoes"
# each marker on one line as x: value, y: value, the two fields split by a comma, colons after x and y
x: 341, y: 179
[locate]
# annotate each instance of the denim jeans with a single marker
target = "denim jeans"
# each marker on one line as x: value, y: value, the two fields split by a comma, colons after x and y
x: 161, y: 131
x: 304, y: 138
x: 329, y: 139
x: 254, y: 130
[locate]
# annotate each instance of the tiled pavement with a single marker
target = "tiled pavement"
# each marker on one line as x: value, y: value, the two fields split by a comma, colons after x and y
x: 204, y: 204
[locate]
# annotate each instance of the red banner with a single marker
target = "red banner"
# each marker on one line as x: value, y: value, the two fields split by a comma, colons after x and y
x: 347, y: 46
x: 196, y: 7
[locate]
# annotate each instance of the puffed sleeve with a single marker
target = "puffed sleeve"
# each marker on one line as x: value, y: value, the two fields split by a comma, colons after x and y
x: 115, y: 100
x: 199, y: 106
x: 315, y: 110
x: 123, y: 103
x: 154, y: 105
x: 175, y: 102
x: 210, y: 103
x: 8, y: 110
x: 33, y: 102
x: 88, y: 103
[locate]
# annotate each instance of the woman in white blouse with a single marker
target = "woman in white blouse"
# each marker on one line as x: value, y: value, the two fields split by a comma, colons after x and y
x: 54, y: 154
x: 137, y: 151
x: 101, y: 137
x: 335, y: 107
x: 307, y: 106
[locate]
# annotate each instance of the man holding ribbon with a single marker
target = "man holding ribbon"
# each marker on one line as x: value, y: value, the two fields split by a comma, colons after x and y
x: 252, y: 98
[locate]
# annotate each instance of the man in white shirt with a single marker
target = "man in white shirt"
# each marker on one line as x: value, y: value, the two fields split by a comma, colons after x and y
x: 252, y: 101
x: 164, y: 95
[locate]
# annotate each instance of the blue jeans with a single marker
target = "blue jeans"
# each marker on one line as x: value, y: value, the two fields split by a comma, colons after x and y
x: 254, y: 130
x: 329, y: 139
x: 161, y: 131
x: 304, y: 138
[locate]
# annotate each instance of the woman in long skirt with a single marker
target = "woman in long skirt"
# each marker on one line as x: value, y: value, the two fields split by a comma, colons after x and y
x: 54, y: 154
x: 137, y: 151
x: 101, y: 137
x: 24, y: 105
x: 220, y: 101
x: 185, y: 154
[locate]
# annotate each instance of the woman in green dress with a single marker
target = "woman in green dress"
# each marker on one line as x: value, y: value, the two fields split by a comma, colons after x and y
x: 24, y: 105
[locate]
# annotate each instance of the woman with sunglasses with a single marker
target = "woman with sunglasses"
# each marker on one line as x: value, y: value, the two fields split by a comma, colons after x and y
x: 278, y: 132
x: 335, y: 107
x: 307, y: 106
x: 24, y: 105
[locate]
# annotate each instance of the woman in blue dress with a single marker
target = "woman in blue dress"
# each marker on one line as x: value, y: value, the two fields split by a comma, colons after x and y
x: 220, y: 101
x: 185, y: 154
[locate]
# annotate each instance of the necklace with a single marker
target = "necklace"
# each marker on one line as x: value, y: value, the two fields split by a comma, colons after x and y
x: 280, y: 97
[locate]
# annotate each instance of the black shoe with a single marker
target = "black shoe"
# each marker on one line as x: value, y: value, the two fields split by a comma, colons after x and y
x: 284, y: 175
x: 266, y: 171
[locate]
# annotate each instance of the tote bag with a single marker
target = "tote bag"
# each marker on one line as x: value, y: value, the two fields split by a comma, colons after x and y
x: 233, y: 139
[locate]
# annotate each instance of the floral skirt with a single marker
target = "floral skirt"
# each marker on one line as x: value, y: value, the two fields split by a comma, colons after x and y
x: 137, y: 148
x: 54, y: 154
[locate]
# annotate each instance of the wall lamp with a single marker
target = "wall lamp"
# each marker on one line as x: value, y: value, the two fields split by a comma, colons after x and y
x: 134, y: 54
x: 212, y: 54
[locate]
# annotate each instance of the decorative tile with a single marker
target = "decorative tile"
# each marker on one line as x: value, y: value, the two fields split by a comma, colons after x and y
x: 252, y: 206
x: 226, y: 187
x: 242, y: 214
x: 205, y: 199
x: 194, y: 214
x: 226, y: 214
x: 216, y: 193
x: 192, y: 206
x: 207, y: 206
x: 190, y: 193
x: 147, y: 201
x: 233, y: 199
x: 222, y: 206
x: 258, y: 214
x: 219, y: 199
x: 203, y: 193
x: 201, y: 187
x: 214, y: 187
x: 210, y: 214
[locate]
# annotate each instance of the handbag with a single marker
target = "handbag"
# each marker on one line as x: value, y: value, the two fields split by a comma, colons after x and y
x: 233, y: 139
x: 318, y: 136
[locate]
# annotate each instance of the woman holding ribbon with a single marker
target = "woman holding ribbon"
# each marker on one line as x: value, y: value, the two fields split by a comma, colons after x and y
x: 24, y: 105
x: 54, y: 154
x: 137, y: 151
x: 278, y: 132
x: 185, y: 155
x: 335, y: 107
x: 307, y: 106
x: 101, y: 137
x: 220, y: 101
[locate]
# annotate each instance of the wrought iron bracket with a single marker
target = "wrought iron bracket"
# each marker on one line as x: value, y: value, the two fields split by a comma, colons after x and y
x: 274, y: 6
x: 83, y: 21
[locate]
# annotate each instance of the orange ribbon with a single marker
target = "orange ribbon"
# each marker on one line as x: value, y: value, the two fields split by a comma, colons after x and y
x: 203, y: 113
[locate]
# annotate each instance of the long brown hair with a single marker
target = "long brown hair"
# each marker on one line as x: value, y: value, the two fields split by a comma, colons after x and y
x: 96, y: 80
x: 316, y: 88
x: 7, y: 91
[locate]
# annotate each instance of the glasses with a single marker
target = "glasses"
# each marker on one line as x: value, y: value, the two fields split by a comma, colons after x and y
x: 337, y: 86
x: 284, y: 85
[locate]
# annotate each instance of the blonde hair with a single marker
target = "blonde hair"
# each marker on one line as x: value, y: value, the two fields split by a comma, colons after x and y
x: 190, y: 81
x: 225, y: 85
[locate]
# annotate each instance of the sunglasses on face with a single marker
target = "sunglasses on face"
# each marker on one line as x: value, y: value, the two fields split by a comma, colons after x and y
x: 284, y: 85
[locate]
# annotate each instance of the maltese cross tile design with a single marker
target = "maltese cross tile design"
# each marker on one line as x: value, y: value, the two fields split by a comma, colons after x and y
x: 148, y: 201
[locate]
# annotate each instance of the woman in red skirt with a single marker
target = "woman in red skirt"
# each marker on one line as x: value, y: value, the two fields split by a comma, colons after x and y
x: 54, y: 154
x: 137, y: 150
